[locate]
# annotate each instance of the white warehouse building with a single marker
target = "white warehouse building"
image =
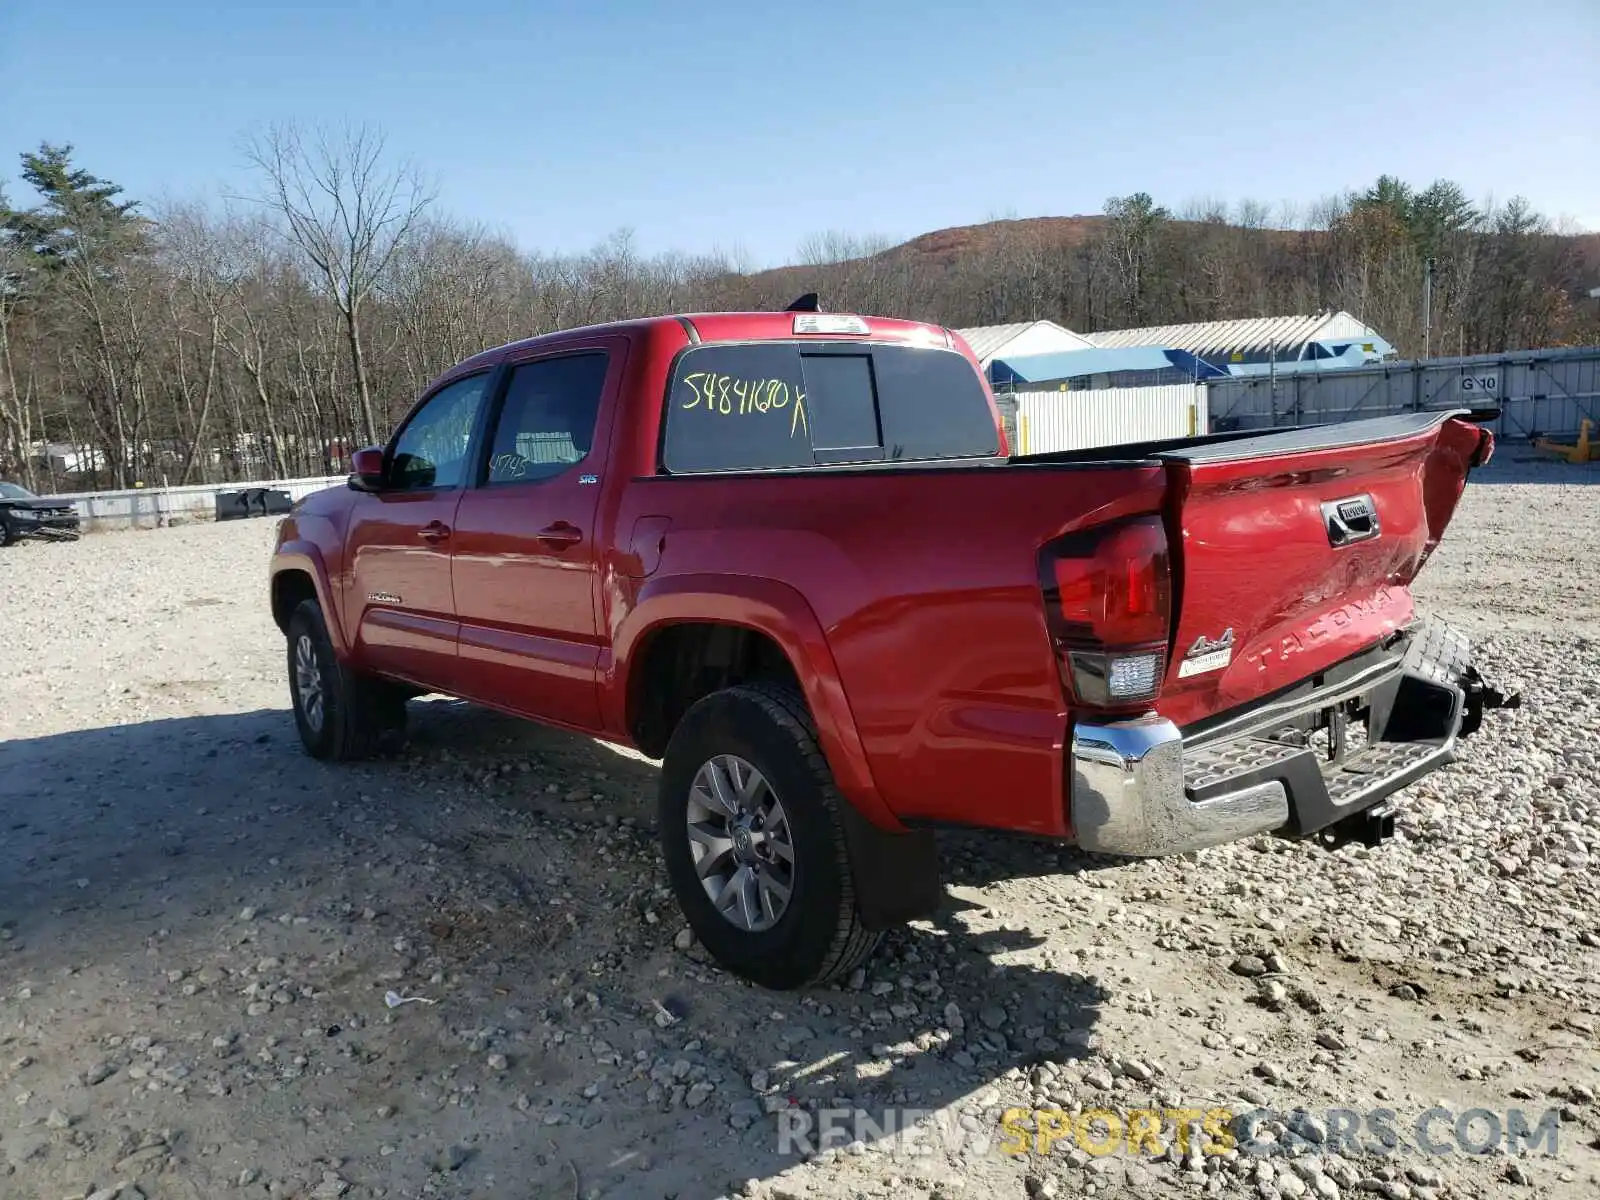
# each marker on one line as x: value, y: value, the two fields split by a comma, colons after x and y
x: 1060, y: 390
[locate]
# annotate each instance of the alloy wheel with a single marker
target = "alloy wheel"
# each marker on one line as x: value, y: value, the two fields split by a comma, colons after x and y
x: 308, y: 682
x: 740, y: 842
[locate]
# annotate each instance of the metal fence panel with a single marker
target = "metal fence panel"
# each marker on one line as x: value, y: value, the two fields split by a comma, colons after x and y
x: 1049, y: 421
x: 1538, y: 392
x: 147, y: 508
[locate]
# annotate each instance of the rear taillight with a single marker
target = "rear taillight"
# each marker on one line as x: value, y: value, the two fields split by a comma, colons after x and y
x: 1108, y: 602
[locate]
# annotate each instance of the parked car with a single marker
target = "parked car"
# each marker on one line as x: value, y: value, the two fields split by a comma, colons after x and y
x: 789, y: 554
x: 23, y: 514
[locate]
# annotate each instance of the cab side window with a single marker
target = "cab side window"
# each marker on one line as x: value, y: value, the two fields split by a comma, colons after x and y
x: 431, y: 452
x: 548, y: 420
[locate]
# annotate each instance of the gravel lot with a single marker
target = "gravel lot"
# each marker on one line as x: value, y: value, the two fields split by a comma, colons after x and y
x: 199, y: 925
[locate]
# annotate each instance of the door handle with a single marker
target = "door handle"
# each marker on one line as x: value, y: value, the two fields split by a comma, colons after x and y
x: 434, y: 531
x: 560, y: 534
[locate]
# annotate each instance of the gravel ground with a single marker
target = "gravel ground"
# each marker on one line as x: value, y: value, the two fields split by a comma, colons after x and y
x: 199, y: 925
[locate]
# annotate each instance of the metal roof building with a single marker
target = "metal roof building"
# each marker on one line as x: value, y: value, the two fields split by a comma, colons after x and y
x: 1259, y: 339
x: 1022, y: 337
x: 1132, y: 366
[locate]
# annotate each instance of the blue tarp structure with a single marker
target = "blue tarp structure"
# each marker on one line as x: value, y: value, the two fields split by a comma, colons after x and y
x: 1072, y: 364
x: 1319, y: 356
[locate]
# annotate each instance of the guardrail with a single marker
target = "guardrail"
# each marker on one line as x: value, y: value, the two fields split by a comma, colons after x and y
x: 152, y: 508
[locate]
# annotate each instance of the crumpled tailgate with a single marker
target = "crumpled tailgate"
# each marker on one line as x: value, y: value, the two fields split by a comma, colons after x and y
x: 1294, y: 550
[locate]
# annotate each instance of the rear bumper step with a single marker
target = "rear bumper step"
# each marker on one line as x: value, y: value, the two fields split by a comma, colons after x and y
x: 1139, y: 789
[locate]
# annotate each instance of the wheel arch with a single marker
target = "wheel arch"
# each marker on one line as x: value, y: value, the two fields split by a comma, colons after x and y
x: 740, y: 622
x: 298, y: 574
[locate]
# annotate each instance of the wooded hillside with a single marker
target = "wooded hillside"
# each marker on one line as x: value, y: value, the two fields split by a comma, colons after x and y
x: 198, y: 343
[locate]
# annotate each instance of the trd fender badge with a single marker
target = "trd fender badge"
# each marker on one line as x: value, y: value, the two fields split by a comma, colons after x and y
x: 383, y: 598
x: 1207, y: 655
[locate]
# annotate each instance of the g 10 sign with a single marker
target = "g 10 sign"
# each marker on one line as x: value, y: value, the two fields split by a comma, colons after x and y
x: 1480, y: 385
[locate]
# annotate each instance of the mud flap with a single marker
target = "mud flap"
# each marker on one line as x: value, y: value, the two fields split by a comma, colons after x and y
x: 896, y: 874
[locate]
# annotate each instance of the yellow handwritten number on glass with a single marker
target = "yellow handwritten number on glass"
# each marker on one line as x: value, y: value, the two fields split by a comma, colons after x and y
x: 694, y: 388
x: 729, y: 396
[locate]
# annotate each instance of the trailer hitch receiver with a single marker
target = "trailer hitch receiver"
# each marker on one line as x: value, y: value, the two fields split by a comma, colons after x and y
x: 1479, y: 696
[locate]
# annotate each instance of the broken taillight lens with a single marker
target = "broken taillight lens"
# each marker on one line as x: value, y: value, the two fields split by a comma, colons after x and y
x: 1485, y: 450
x: 1108, y: 603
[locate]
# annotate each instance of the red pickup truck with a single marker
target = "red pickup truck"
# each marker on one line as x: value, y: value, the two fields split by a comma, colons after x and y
x: 789, y: 554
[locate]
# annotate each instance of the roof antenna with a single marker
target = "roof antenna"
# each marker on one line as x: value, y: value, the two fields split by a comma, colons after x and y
x: 806, y: 303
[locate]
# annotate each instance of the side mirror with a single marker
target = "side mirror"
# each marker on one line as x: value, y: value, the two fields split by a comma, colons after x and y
x: 366, y: 469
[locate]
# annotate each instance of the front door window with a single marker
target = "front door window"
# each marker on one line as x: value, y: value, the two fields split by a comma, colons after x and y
x: 431, y: 453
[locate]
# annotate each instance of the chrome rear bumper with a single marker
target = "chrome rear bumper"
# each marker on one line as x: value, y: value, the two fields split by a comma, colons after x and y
x: 1128, y: 795
x: 1139, y: 789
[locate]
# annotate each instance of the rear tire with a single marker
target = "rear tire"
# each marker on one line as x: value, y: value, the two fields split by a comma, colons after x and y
x: 342, y: 715
x: 791, y: 918
x: 8, y: 533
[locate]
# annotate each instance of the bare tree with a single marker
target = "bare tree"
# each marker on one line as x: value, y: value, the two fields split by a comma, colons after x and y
x: 349, y: 212
x: 835, y: 246
x: 449, y: 293
x: 201, y: 269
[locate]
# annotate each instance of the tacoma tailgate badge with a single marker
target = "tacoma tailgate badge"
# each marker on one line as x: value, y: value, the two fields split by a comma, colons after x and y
x: 1207, y: 655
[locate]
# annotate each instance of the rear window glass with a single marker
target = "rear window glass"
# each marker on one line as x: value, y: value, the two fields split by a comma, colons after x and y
x: 840, y: 396
x: 772, y: 405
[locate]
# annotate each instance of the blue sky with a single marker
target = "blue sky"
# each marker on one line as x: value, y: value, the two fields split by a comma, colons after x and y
x: 712, y: 124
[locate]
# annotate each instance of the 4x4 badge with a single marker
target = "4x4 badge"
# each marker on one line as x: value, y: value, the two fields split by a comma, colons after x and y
x: 1207, y: 655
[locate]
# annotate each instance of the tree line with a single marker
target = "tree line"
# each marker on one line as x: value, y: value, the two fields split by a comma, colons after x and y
x: 268, y: 336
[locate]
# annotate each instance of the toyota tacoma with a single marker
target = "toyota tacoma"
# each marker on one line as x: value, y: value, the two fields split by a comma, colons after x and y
x: 790, y: 555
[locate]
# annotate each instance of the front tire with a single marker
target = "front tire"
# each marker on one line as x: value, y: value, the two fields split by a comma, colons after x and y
x: 752, y: 834
x: 342, y: 715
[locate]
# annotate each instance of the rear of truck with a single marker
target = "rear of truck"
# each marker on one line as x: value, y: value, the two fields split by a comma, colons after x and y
x: 1147, y: 648
x: 1249, y: 659
x: 853, y: 615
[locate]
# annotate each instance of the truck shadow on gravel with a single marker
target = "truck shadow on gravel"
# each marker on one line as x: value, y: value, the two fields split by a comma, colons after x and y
x: 174, y: 870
